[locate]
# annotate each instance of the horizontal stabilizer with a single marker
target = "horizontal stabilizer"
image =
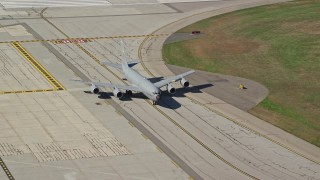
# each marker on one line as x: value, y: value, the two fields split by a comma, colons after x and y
x: 132, y: 63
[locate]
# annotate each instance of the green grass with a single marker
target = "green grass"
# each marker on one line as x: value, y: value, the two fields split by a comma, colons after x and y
x: 183, y: 56
x: 276, y: 45
x: 287, y: 112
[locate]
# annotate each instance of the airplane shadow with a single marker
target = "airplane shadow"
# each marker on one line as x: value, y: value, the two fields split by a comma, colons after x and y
x: 125, y: 97
x: 155, y: 79
x: 166, y: 101
x: 102, y: 95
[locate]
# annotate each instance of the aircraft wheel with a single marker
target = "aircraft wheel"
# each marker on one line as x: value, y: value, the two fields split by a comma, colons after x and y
x: 129, y: 93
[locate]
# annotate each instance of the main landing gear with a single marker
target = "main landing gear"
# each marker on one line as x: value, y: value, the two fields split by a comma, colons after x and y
x: 129, y: 93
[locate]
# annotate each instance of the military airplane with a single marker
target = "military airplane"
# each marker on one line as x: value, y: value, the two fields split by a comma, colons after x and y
x: 138, y: 83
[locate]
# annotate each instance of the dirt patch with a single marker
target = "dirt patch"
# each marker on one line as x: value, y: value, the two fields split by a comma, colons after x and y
x: 233, y: 45
x: 284, y: 4
x: 226, y: 21
x: 222, y: 43
x: 266, y: 115
x: 308, y: 27
x: 220, y: 39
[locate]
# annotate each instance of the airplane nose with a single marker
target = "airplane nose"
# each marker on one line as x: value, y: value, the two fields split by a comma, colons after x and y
x: 158, y: 97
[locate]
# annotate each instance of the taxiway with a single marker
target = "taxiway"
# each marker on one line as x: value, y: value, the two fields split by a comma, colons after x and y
x: 52, y: 129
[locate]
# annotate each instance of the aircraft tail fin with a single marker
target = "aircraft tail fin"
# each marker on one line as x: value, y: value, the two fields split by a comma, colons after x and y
x: 124, y: 62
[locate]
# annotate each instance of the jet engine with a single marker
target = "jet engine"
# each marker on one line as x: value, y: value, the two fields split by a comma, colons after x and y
x: 184, y: 82
x: 94, y: 89
x: 117, y: 93
x: 171, y: 89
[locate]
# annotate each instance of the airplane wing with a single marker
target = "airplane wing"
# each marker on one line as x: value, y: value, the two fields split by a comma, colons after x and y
x: 172, y: 79
x: 110, y: 85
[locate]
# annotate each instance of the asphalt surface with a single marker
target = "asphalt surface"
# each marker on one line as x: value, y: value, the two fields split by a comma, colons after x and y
x: 226, y: 88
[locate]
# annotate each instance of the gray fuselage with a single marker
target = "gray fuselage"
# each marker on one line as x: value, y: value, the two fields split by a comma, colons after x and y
x: 147, y: 87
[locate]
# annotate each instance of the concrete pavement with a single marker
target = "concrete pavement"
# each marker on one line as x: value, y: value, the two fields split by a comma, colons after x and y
x: 191, y: 125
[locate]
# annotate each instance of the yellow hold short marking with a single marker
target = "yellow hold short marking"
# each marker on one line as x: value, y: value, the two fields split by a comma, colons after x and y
x: 38, y: 66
